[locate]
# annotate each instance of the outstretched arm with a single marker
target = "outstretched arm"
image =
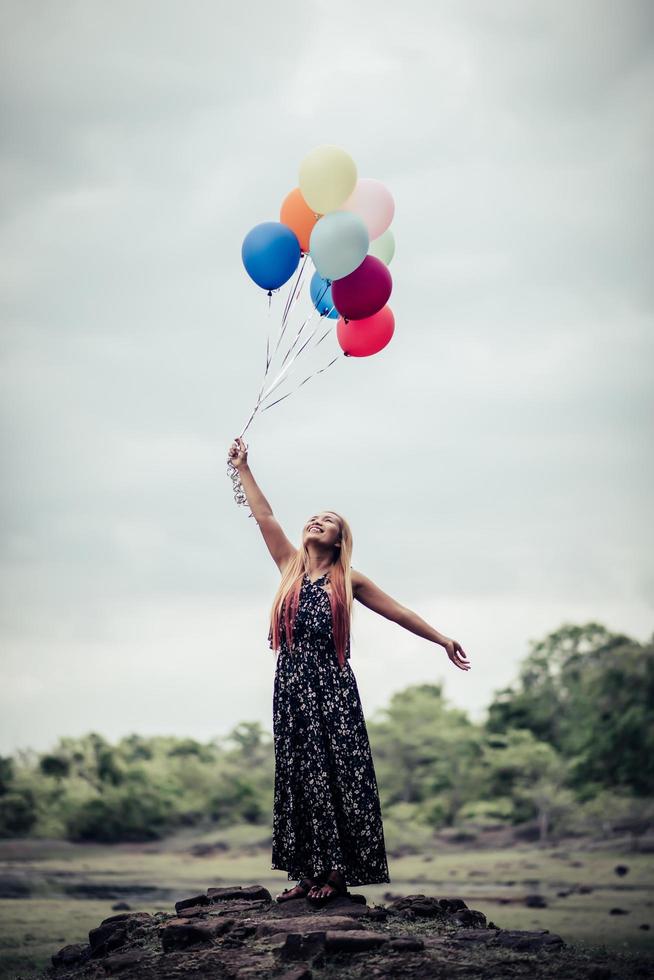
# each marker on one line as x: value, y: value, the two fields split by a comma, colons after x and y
x: 278, y: 544
x: 371, y: 595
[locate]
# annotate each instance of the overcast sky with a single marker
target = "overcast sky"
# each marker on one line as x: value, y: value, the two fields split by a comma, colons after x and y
x: 494, y: 461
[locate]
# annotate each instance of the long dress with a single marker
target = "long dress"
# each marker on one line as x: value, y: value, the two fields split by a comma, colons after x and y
x: 326, y: 811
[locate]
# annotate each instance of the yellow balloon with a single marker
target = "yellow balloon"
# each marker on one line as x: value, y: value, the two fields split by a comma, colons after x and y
x: 327, y: 178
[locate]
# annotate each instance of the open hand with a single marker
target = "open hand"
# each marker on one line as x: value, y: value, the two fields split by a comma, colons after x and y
x: 456, y: 653
x: 238, y: 453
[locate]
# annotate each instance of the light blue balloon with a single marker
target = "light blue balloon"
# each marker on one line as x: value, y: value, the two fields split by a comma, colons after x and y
x: 270, y: 253
x: 321, y: 297
x: 339, y: 244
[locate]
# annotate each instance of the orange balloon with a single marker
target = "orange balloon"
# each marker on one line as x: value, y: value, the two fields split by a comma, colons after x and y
x: 296, y: 214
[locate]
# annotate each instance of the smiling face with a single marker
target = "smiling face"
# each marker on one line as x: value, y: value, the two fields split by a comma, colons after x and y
x: 324, y: 527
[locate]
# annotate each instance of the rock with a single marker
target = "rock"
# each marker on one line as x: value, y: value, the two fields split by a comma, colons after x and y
x: 535, y: 902
x: 523, y: 941
x: 74, y: 953
x: 469, y: 919
x: 377, y: 914
x: 342, y: 905
x: 181, y: 933
x: 420, y: 905
x: 645, y: 926
x: 584, y: 889
x: 470, y: 936
x: 621, y: 870
x: 116, y: 962
x: 112, y: 933
x: 304, y: 947
x: 252, y: 893
x: 452, y: 904
x: 406, y: 944
x: 353, y: 942
x: 191, y: 903
x: 299, y: 972
x: 618, y: 911
x: 207, y: 850
x: 121, y: 907
x: 306, y: 924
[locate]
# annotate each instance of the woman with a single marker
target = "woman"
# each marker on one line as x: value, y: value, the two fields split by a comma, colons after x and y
x: 327, y: 825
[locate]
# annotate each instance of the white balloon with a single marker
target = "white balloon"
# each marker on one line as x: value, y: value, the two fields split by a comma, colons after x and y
x: 338, y: 245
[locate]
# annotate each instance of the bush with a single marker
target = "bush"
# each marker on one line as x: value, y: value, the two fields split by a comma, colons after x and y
x: 18, y: 813
x: 122, y: 815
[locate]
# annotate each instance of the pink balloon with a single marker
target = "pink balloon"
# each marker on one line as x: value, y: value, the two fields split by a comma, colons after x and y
x: 364, y: 291
x: 374, y: 203
x: 361, y: 338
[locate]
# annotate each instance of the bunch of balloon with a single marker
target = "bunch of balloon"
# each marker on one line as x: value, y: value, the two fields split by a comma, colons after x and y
x: 340, y: 223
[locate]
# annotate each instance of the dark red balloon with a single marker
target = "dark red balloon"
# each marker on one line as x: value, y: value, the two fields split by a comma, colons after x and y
x: 364, y: 291
x: 361, y: 338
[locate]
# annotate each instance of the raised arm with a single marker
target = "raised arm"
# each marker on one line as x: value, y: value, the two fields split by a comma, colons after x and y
x: 278, y: 544
x: 371, y: 595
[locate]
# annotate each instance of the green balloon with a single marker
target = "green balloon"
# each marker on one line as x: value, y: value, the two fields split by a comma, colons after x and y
x: 383, y: 247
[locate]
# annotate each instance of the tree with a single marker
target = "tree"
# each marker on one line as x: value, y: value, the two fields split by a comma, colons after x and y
x: 425, y: 752
x: 588, y: 693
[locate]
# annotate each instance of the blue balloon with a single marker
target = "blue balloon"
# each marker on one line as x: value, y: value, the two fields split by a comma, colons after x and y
x: 270, y: 254
x: 321, y: 296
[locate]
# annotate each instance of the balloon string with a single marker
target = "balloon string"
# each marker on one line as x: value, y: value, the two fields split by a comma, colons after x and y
x: 281, y: 378
x: 239, y: 494
x: 278, y: 400
x: 307, y: 320
x: 293, y: 296
x: 289, y: 303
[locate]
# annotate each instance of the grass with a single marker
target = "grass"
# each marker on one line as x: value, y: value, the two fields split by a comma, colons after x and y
x: 494, y: 881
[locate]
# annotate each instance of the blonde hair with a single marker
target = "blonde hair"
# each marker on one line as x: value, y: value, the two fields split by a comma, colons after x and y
x: 285, y: 603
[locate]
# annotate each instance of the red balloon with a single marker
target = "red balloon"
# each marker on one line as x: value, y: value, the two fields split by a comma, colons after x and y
x: 364, y: 291
x: 360, y: 338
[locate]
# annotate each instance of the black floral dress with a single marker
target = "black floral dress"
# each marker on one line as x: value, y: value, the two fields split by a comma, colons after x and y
x: 326, y: 811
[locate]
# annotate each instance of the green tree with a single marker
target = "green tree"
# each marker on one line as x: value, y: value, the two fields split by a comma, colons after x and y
x: 590, y: 694
x: 425, y: 752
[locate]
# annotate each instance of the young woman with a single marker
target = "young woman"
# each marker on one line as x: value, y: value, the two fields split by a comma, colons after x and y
x: 327, y: 825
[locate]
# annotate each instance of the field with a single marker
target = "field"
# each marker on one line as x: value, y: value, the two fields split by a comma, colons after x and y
x: 53, y: 892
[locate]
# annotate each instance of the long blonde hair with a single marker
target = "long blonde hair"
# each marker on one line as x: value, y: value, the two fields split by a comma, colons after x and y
x: 285, y: 603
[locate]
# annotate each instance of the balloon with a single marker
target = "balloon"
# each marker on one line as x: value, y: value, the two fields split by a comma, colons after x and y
x: 373, y: 202
x: 383, y: 247
x: 270, y: 254
x: 364, y: 291
x: 321, y: 297
x: 338, y: 244
x: 361, y: 338
x: 298, y: 216
x: 327, y: 178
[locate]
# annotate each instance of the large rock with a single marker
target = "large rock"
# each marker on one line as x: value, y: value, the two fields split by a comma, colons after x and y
x: 354, y: 906
x: 252, y: 893
x: 114, y: 932
x: 181, y: 933
x: 304, y: 924
x: 129, y: 960
x: 74, y: 953
x: 338, y: 941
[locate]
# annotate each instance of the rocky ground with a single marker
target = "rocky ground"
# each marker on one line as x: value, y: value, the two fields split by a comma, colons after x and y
x: 241, y: 932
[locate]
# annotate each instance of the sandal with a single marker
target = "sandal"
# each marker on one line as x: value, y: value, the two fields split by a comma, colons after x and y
x: 336, y: 882
x: 304, y: 886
